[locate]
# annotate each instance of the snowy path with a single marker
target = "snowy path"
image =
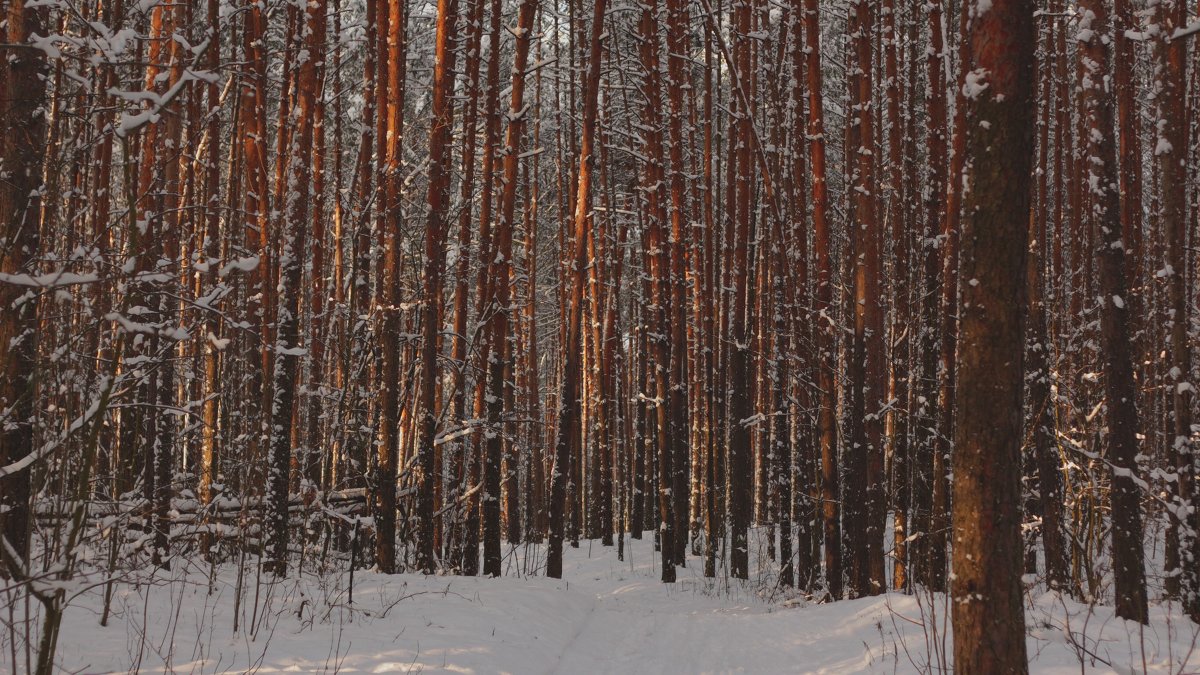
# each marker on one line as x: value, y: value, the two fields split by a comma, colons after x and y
x: 640, y: 625
x: 605, y: 616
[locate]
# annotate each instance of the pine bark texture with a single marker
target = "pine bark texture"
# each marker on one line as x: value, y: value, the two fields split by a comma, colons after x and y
x: 987, y: 609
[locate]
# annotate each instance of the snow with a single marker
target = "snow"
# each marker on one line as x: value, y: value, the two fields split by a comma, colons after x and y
x: 975, y: 83
x: 1190, y: 29
x: 51, y: 280
x: 604, y: 616
x: 246, y: 264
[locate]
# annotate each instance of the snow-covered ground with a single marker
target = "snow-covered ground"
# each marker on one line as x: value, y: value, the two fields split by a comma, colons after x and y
x: 605, y: 616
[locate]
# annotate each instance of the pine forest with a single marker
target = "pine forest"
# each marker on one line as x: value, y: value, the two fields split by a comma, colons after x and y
x: 681, y: 336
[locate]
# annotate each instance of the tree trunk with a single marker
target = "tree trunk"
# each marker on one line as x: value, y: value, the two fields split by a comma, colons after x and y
x: 22, y: 94
x: 1129, y: 575
x: 1043, y: 466
x: 1171, y: 151
x: 390, y: 135
x: 824, y: 330
x: 568, y: 398
x: 498, y: 367
x: 431, y: 290
x: 291, y: 269
x: 987, y: 608
x: 741, y: 477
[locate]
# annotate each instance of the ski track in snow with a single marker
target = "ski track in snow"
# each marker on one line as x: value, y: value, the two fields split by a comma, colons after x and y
x: 604, y: 616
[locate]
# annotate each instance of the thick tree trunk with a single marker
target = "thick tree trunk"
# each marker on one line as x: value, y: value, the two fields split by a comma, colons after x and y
x: 987, y: 608
x: 677, y: 211
x: 656, y: 263
x: 741, y: 477
x: 863, y: 493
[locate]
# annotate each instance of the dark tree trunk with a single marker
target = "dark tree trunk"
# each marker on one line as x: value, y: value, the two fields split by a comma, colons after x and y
x: 1183, y: 538
x: 741, y: 475
x: 296, y: 202
x: 1129, y: 575
x: 988, y: 612
x: 1043, y: 467
x: 22, y: 146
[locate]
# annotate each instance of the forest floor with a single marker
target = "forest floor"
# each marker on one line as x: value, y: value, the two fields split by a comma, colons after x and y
x: 604, y: 616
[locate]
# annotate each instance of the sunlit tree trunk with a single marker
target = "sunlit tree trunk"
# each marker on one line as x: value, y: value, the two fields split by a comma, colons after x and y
x: 568, y: 398
x: 432, y: 280
x: 288, y: 349
x: 390, y: 132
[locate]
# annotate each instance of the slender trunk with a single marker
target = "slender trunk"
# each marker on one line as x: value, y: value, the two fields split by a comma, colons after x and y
x: 485, y: 471
x: 677, y: 212
x: 823, y: 332
x: 1129, y: 574
x: 431, y: 290
x: 1171, y: 150
x: 22, y: 94
x: 741, y: 479
x: 568, y: 398
x: 210, y: 448
x: 498, y: 364
x: 460, y: 450
x: 287, y: 349
x: 1044, y: 464
x: 896, y: 420
x: 390, y: 134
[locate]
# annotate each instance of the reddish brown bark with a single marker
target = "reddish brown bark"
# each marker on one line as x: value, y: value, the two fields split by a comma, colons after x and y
x: 499, y: 368
x: 823, y: 332
x: 741, y: 481
x: 390, y: 134
x: 432, y: 280
x: 568, y: 398
x: 987, y: 608
x: 656, y: 263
